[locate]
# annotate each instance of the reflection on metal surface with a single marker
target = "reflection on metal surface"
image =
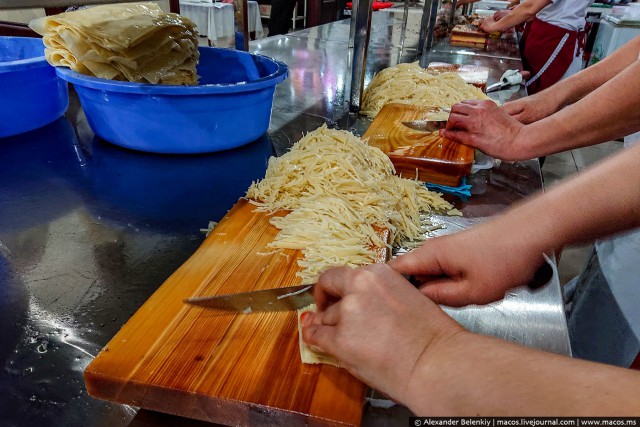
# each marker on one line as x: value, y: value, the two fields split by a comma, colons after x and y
x: 88, y: 231
x: 171, y: 192
x: 504, y: 318
x: 526, y: 316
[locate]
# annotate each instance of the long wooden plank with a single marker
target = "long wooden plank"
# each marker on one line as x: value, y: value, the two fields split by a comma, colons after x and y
x: 427, y: 156
x: 226, y: 368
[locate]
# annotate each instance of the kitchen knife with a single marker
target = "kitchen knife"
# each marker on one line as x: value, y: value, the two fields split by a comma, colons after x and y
x: 296, y: 297
x: 509, y: 78
x: 280, y: 299
x: 434, y: 120
x: 426, y: 125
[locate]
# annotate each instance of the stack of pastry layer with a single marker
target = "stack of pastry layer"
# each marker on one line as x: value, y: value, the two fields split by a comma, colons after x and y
x: 468, y: 35
x: 127, y: 42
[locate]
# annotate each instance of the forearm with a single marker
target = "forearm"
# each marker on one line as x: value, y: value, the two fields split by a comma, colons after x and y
x: 596, y: 203
x: 521, y: 13
x: 608, y: 112
x: 579, y: 85
x: 475, y: 375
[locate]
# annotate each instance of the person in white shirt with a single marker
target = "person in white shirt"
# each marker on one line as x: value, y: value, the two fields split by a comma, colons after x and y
x: 553, y: 38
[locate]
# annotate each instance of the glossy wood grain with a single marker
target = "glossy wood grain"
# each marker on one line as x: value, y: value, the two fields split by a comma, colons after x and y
x: 235, y: 369
x: 433, y: 158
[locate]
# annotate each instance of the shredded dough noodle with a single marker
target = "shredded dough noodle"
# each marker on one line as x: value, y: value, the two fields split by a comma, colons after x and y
x: 412, y: 84
x: 337, y: 189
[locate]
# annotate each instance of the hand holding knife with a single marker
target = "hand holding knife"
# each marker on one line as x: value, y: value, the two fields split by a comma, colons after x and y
x: 426, y: 125
x: 296, y: 297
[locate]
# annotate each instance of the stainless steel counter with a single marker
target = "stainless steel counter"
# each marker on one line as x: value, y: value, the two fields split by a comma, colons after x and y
x: 88, y: 231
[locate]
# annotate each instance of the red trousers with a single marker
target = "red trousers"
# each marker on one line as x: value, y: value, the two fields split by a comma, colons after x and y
x: 547, y: 51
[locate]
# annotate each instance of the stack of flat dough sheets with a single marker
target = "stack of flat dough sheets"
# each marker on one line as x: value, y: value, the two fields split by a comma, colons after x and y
x: 127, y: 42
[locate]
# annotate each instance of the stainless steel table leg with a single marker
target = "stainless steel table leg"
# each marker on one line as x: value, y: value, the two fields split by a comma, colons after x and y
x: 362, y: 17
x: 452, y: 15
x: 245, y: 24
x: 433, y: 15
x: 405, y: 15
x: 352, y: 23
x: 427, y: 26
x: 241, y: 13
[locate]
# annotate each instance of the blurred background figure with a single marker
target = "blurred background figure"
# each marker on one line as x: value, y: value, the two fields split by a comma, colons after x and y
x: 281, y: 16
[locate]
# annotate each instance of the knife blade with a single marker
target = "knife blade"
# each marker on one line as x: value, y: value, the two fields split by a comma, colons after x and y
x: 496, y: 87
x: 296, y: 297
x: 279, y: 299
x: 425, y: 125
x: 509, y: 78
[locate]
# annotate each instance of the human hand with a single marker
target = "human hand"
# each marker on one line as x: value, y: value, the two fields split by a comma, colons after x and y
x: 485, y: 126
x: 488, y: 24
x: 476, y: 266
x: 378, y: 326
x: 530, y: 108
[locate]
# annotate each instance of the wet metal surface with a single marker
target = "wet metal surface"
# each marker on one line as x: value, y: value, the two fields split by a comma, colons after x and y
x: 386, y: 30
x: 88, y: 231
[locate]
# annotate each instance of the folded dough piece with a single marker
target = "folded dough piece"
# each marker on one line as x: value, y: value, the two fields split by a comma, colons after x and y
x: 307, y: 354
x: 129, y: 42
x: 104, y: 22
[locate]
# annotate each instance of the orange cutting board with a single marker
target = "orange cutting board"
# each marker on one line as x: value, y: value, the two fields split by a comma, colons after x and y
x: 433, y: 158
x: 234, y: 369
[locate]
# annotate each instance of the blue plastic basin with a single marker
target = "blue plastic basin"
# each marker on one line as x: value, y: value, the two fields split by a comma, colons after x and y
x: 31, y: 95
x: 230, y: 107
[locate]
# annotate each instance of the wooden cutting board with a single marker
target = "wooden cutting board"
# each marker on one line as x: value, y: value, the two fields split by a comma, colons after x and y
x: 231, y: 369
x: 433, y: 158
